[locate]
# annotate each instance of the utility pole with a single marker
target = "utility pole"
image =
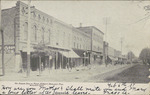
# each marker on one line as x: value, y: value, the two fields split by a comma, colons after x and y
x: 106, y: 40
x: 2, y: 49
x: 106, y: 22
x: 3, y: 67
x: 121, y: 44
x: 28, y: 41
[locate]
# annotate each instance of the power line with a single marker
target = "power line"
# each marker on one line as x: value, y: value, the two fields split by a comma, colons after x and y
x: 145, y: 18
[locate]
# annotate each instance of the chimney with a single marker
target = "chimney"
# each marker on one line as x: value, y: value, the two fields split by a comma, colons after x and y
x: 80, y: 24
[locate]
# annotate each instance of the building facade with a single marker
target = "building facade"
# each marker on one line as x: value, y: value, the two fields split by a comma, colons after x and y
x: 62, y: 42
x: 105, y: 51
x: 96, y: 37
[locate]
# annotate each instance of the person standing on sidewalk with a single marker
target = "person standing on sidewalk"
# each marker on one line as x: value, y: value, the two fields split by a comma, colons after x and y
x: 67, y: 66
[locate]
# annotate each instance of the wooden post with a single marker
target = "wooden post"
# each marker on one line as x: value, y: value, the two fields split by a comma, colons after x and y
x: 68, y: 63
x: 3, y: 66
x: 28, y: 41
x: 56, y: 59
x: 62, y: 61
x: 39, y: 65
x: 2, y: 35
x: 49, y: 61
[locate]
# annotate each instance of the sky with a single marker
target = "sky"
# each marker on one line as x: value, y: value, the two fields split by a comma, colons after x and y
x: 125, y: 19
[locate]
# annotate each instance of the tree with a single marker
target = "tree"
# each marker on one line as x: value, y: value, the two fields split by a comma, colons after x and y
x: 145, y: 55
x: 130, y: 56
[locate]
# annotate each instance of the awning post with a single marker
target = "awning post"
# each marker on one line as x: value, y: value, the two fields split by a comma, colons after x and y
x: 62, y: 61
x: 56, y: 60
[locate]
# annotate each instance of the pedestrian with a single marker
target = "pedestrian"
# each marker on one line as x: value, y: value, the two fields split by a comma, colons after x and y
x: 42, y: 66
x: 67, y: 65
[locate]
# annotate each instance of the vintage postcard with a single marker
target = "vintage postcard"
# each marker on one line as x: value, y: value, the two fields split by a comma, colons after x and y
x: 74, y: 47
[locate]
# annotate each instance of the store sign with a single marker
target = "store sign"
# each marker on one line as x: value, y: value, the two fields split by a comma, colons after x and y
x: 8, y: 48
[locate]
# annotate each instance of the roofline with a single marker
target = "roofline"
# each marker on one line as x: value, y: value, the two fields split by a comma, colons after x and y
x: 91, y: 27
x: 8, y: 8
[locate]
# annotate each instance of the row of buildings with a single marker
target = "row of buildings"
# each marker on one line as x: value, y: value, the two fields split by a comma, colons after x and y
x: 64, y: 43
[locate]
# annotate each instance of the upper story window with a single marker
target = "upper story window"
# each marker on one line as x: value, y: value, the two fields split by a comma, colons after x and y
x: 42, y: 34
x: 39, y: 17
x: 78, y: 38
x: 34, y: 15
x: 34, y: 34
x: 77, y: 45
x: 47, y: 20
x: 51, y: 21
x: 98, y: 48
x: 74, y: 37
x: 25, y: 32
x: 43, y: 19
x: 49, y: 31
x: 23, y: 10
x: 74, y: 44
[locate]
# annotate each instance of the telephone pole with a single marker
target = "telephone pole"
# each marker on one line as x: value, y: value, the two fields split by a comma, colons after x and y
x: 106, y: 22
x: 2, y: 49
x: 28, y: 41
x: 121, y: 43
x: 3, y: 67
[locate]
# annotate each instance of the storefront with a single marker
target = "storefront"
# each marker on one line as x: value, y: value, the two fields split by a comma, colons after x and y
x: 95, y: 57
x: 83, y: 57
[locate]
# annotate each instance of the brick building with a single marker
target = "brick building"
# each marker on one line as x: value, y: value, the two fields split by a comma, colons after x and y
x: 64, y: 43
x: 96, y: 43
x: 111, y: 55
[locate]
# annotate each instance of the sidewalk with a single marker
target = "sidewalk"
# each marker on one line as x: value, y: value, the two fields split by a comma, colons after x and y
x: 79, y: 74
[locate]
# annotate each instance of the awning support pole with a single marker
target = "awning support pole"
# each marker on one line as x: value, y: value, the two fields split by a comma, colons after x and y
x: 56, y: 60
x: 39, y: 65
x: 62, y: 60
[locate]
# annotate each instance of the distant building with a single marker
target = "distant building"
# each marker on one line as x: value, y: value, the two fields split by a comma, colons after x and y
x: 96, y: 49
x: 111, y: 51
x: 118, y: 54
x: 112, y: 55
x: 105, y: 51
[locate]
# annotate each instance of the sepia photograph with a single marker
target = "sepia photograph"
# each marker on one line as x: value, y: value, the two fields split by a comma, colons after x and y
x: 81, y: 41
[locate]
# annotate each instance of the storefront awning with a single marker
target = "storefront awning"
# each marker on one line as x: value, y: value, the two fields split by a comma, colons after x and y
x: 25, y: 49
x: 70, y: 54
x: 57, y: 48
x: 113, y: 58
x: 96, y: 52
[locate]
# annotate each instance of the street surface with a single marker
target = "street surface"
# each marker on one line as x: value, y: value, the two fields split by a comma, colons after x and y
x: 136, y: 74
x: 91, y: 73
